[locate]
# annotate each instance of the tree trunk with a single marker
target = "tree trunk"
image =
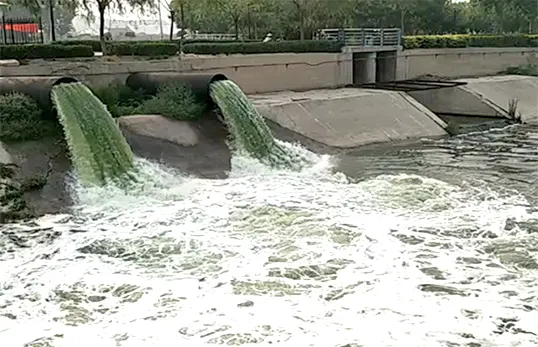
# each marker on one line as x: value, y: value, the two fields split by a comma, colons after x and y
x: 102, y: 29
x: 301, y: 26
x: 172, y: 19
x: 402, y: 21
x: 236, y: 27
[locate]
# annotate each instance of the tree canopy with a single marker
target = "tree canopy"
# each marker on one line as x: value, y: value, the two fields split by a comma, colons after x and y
x: 295, y: 19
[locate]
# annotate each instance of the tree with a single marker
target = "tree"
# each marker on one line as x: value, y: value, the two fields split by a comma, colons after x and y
x: 103, y: 5
x: 63, y: 10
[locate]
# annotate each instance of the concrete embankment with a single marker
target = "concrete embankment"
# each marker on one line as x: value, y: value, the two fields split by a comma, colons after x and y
x: 350, y: 117
x: 485, y: 97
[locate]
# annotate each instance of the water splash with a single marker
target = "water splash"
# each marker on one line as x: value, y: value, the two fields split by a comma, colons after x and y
x: 250, y: 135
x: 98, y: 150
x: 271, y: 257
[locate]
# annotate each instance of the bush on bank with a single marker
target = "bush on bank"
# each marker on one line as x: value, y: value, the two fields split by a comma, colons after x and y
x: 307, y: 46
x: 120, y: 99
x: 22, y: 119
x: 44, y: 51
x: 176, y: 101
x: 463, y: 41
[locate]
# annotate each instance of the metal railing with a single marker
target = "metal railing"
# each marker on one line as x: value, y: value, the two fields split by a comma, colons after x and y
x: 214, y: 37
x: 374, y: 37
x: 14, y: 31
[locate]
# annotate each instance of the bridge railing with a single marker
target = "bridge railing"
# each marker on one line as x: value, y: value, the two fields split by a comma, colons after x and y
x: 373, y: 37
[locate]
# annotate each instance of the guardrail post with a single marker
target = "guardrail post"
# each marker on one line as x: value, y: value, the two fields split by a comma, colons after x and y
x: 12, y: 32
x: 342, y: 36
x: 4, y: 33
x: 382, y: 37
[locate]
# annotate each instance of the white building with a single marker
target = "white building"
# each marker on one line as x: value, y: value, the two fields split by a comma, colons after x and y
x: 146, y: 25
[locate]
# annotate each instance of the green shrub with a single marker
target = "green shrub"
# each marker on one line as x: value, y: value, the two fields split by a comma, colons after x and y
x: 176, y: 101
x: 94, y: 44
x: 463, y: 41
x: 120, y: 99
x: 44, y: 51
x: 153, y: 49
x: 310, y: 46
x: 21, y: 119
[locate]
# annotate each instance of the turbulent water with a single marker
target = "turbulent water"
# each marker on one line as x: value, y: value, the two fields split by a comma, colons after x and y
x: 429, y: 246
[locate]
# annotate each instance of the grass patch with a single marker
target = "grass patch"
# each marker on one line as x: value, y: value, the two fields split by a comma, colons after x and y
x: 22, y: 119
x: 176, y: 101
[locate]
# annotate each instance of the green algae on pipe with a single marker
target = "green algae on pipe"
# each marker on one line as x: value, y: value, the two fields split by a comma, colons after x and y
x: 99, y: 152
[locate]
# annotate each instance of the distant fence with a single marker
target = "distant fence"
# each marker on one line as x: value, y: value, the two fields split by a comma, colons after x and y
x: 374, y: 37
x: 15, y: 31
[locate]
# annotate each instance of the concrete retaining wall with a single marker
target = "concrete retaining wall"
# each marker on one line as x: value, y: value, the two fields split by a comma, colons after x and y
x: 486, y: 96
x: 458, y: 101
x: 258, y: 73
x: 461, y: 62
x: 350, y: 117
x: 261, y: 73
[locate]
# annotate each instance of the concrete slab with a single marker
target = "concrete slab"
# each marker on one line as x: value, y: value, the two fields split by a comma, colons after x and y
x: 485, y: 97
x: 499, y: 90
x: 5, y: 157
x: 350, y: 117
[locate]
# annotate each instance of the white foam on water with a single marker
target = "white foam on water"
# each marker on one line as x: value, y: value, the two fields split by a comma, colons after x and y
x: 270, y: 257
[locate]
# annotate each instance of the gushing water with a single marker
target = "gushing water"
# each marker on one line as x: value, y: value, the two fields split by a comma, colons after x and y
x: 251, y: 136
x: 98, y: 150
x: 274, y: 257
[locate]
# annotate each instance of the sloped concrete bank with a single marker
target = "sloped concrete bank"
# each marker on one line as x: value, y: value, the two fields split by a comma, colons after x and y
x: 486, y: 97
x: 350, y: 117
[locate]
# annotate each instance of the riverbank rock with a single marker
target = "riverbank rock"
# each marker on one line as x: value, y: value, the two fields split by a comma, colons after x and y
x: 160, y: 127
x: 9, y: 62
x: 41, y: 173
x: 193, y: 147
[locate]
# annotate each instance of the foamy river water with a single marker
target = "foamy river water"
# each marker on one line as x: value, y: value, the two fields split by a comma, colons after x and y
x: 424, y: 247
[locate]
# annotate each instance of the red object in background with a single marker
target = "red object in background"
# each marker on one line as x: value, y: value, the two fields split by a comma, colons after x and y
x: 25, y: 28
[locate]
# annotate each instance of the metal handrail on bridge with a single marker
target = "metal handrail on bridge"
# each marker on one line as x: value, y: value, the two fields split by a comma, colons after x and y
x: 364, y: 37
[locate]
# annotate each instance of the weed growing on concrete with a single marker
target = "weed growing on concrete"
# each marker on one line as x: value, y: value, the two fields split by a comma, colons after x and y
x: 512, y: 110
x: 526, y: 70
x: 22, y: 119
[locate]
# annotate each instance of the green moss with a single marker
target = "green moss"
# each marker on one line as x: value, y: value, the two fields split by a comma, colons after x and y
x: 22, y: 119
